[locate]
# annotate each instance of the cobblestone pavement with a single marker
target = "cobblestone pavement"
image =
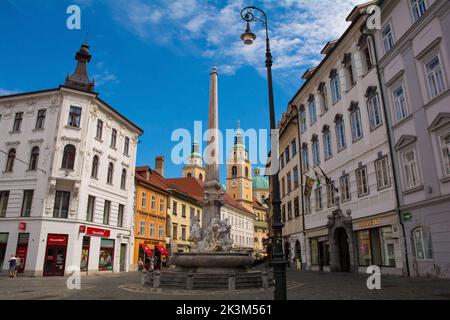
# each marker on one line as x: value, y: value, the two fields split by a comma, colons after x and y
x: 301, y: 285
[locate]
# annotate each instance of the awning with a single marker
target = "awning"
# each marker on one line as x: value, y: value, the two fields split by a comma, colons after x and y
x: 147, y: 249
x: 163, y: 250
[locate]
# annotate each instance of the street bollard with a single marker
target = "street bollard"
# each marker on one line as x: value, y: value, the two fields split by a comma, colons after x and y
x: 156, y: 279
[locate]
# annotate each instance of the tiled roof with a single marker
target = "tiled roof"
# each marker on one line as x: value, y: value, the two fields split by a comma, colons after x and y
x: 153, y: 178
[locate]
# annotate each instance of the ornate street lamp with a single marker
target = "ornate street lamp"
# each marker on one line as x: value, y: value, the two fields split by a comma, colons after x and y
x: 278, y: 261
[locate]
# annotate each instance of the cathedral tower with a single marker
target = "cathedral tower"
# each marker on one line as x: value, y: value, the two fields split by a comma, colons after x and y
x: 239, y: 172
x: 195, y: 167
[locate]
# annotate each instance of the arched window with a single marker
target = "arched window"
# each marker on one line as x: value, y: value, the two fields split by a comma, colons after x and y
x: 200, y: 177
x: 189, y: 175
x: 68, y: 161
x: 123, y: 180
x: 234, y: 172
x: 256, y: 240
x: 422, y: 244
x: 94, y: 171
x: 109, y: 178
x: 246, y: 172
x: 34, y: 159
x: 10, y: 161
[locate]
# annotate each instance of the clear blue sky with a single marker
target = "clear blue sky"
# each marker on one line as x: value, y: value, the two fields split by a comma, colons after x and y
x: 152, y: 58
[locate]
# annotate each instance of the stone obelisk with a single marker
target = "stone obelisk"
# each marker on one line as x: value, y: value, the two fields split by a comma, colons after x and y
x: 213, y: 194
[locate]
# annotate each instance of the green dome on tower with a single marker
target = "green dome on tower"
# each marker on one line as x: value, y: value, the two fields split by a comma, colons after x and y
x: 260, y: 182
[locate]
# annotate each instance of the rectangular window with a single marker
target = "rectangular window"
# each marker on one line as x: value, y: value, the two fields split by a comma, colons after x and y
x: 27, y: 202
x: 303, y: 124
x: 192, y: 213
x: 287, y: 155
x: 283, y: 213
x: 327, y: 147
x: 410, y: 169
x: 294, y: 148
x: 74, y: 117
x: 296, y: 207
x: 400, y: 104
x: 318, y: 198
x: 142, y: 229
x: 175, y: 208
x: 422, y: 244
x: 120, y: 215
x: 40, y: 120
x: 62, y: 201
x: 368, y: 58
x: 375, y: 119
x: 345, y: 188
x: 312, y: 112
x: 282, y: 160
x: 4, y: 197
x: 175, y: 232
x: 335, y: 89
x: 289, y: 210
x: 126, y: 148
x: 283, y: 187
x: 152, y: 230
x: 153, y: 204
x: 382, y: 172
x: 445, y: 147
x: 289, y: 183
x: 18, y: 122
x: 418, y: 8
x: 90, y: 209
x: 183, y: 233
x: 183, y: 211
x: 324, y: 100
x: 435, y: 77
x: 331, y: 195
x: 161, y: 232
x: 161, y: 205
x: 99, y: 133
x: 296, y: 183
x: 355, y: 119
x: 144, y: 200
x: 376, y: 247
x: 350, y: 76
x: 316, y: 153
x: 388, y: 38
x: 362, y: 181
x: 106, y: 212
x: 305, y: 156
x: 340, y: 136
x: 113, y: 138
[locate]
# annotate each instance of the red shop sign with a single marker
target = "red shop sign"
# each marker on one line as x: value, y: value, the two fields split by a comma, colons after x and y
x: 82, y: 229
x: 98, y: 232
x: 57, y: 239
x: 22, y: 226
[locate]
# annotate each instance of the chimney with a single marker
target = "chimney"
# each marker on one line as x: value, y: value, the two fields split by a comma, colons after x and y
x: 159, y: 165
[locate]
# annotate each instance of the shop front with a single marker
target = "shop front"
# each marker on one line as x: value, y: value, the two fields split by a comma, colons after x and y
x: 318, y: 250
x: 145, y: 249
x: 85, y: 250
x: 56, y: 251
x: 22, y: 250
x: 377, y: 241
x: 106, y: 261
x: 3, y: 245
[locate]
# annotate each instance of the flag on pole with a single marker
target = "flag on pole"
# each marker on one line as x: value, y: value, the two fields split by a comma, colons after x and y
x: 309, y: 183
x: 319, y: 182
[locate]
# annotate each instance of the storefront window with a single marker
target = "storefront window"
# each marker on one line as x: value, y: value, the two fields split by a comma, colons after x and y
x: 376, y: 247
x: 3, y: 244
x: 314, y: 252
x: 106, y: 255
x: 85, y: 254
x: 364, y: 248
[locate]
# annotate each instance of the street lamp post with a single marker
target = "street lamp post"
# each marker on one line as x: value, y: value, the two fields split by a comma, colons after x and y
x: 278, y: 261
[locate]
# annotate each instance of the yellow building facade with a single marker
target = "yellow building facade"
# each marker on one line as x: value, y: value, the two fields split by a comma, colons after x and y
x: 150, y: 214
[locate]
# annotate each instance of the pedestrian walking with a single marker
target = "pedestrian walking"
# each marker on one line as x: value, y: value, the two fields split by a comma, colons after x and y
x: 12, y: 266
x: 18, y: 265
x: 152, y: 263
x: 140, y: 265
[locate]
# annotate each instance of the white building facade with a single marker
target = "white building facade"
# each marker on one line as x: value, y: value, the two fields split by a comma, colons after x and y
x: 67, y: 181
x: 351, y: 221
x: 242, y: 226
x: 413, y: 47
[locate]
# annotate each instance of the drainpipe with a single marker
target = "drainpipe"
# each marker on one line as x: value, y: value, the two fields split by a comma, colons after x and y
x: 391, y: 149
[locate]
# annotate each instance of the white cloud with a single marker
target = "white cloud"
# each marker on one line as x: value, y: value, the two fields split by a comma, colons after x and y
x: 299, y: 30
x: 7, y: 92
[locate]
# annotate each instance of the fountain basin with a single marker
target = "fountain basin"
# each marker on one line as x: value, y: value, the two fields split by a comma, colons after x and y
x: 211, y: 262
